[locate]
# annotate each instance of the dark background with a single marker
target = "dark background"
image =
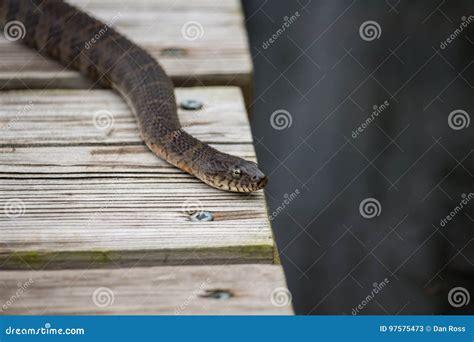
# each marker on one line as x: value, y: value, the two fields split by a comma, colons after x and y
x: 328, y: 78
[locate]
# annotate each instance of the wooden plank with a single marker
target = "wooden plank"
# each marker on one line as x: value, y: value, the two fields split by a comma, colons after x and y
x: 67, y: 117
x: 97, y: 160
x: 93, y: 198
x: 157, y: 290
x: 219, y: 56
x: 116, y: 222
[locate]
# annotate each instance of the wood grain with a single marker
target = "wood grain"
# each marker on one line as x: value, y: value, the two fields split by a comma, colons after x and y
x: 219, y: 57
x: 104, y: 161
x: 39, y: 117
x: 75, y: 194
x: 99, y: 198
x: 184, y: 290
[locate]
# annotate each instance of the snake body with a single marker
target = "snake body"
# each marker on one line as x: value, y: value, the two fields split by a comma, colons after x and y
x: 63, y: 32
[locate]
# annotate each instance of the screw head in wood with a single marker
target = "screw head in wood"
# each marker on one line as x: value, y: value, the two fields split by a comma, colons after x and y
x: 191, y: 104
x: 217, y: 294
x: 202, y: 216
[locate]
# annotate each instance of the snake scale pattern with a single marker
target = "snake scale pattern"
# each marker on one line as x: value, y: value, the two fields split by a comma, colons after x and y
x: 61, y: 31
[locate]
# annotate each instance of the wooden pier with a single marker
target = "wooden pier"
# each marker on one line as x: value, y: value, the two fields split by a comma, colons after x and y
x: 87, y: 212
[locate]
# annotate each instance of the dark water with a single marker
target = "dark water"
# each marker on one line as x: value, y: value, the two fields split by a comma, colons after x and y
x: 360, y: 194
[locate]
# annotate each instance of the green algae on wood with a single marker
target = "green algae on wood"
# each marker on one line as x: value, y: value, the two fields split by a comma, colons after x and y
x: 262, y: 253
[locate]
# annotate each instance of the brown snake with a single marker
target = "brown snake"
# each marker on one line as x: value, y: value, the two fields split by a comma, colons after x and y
x: 63, y: 32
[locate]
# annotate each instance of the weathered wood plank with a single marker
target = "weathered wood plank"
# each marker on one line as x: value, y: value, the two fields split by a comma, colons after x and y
x: 180, y: 290
x: 103, y: 161
x: 128, y: 221
x: 74, y: 117
x: 218, y: 56
x: 98, y: 198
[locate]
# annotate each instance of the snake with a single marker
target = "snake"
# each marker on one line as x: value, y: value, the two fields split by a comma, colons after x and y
x: 81, y: 42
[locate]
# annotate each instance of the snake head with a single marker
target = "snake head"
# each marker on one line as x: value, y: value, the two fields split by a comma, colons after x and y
x: 245, y: 175
x: 235, y: 174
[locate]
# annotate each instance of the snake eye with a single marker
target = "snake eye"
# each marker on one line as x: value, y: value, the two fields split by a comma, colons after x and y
x: 236, y: 173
